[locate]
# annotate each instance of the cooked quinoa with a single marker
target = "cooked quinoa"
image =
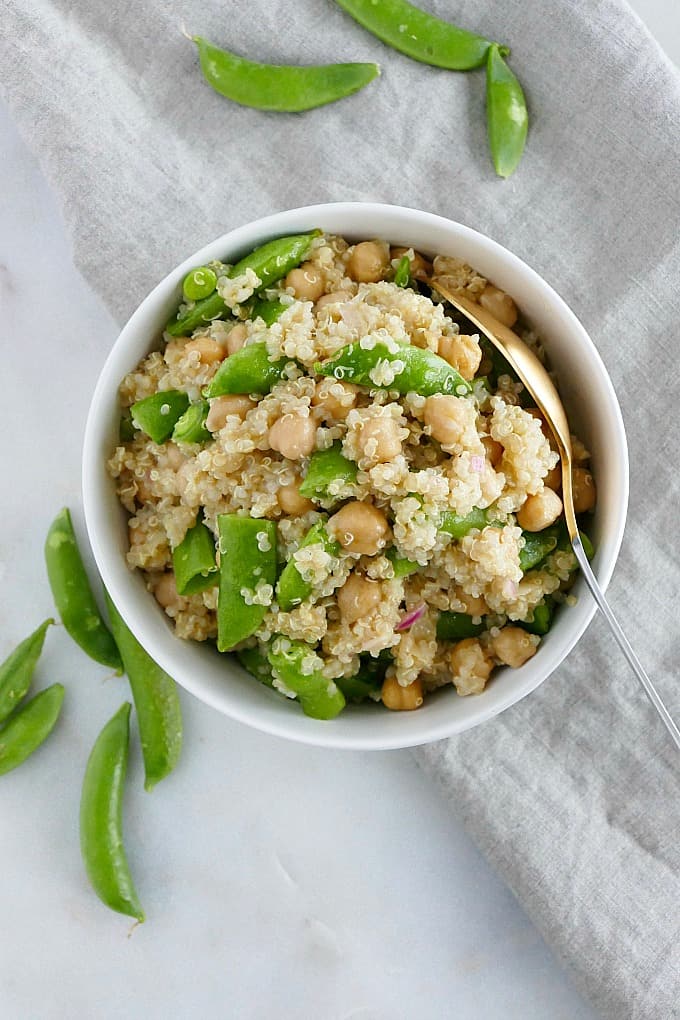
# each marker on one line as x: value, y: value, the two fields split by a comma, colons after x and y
x: 394, y: 598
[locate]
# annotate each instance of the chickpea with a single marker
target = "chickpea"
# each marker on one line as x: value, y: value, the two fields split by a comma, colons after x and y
x: 401, y: 699
x: 291, y: 502
x: 335, y: 298
x: 368, y: 262
x: 585, y: 493
x: 494, y: 450
x: 236, y: 337
x: 306, y: 282
x: 335, y: 399
x: 462, y: 352
x: 470, y: 666
x: 513, y: 646
x: 474, y: 604
x: 447, y: 418
x: 358, y: 597
x: 553, y: 479
x: 378, y: 440
x: 293, y: 436
x: 539, y: 511
x: 166, y: 593
x: 421, y: 269
x: 360, y: 528
x: 500, y: 304
x: 209, y: 350
x: 221, y: 408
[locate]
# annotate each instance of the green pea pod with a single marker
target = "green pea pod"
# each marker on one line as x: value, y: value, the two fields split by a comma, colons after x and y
x: 193, y: 561
x: 328, y: 472
x: 247, y: 560
x: 402, y: 276
x: 126, y: 428
x: 541, y: 620
x: 201, y: 314
x: 410, y: 369
x: 319, y: 698
x: 506, y: 114
x: 456, y: 626
x: 268, y: 311
x: 101, y: 818
x: 247, y: 371
x: 537, y: 545
x: 292, y: 588
x: 29, y: 727
x: 282, y: 88
x: 159, y: 715
x: 458, y: 527
x: 73, y: 595
x: 402, y: 566
x: 419, y: 35
x: 190, y: 428
x: 256, y: 663
x: 16, y: 672
x: 158, y: 414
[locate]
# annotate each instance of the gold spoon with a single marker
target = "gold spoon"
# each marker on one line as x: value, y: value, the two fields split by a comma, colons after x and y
x: 541, y: 387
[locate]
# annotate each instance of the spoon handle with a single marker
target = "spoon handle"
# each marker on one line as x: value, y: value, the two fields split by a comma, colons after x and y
x: 624, y: 644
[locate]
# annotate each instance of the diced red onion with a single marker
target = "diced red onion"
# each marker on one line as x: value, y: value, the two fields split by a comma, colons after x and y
x: 477, y: 464
x: 411, y: 617
x: 510, y: 588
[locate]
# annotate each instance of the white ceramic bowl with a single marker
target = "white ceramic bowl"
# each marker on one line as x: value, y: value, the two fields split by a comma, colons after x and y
x: 218, y: 680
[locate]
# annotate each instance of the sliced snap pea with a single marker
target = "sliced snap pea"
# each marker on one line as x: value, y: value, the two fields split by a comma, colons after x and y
x: 193, y: 561
x: 126, y: 428
x: 16, y: 672
x: 456, y: 626
x: 158, y: 414
x: 402, y: 276
x: 201, y: 314
x: 506, y: 114
x: 542, y: 618
x: 458, y: 527
x: 247, y: 371
x: 159, y: 715
x: 292, y: 589
x: 402, y: 566
x: 29, y: 727
x: 327, y: 469
x: 255, y: 662
x: 319, y: 697
x: 367, y: 680
x: 267, y: 310
x: 73, y: 595
x: 410, y: 369
x: 285, y: 89
x: 101, y: 818
x: 418, y: 34
x: 190, y: 427
x: 247, y: 560
x: 537, y: 545
x: 199, y: 283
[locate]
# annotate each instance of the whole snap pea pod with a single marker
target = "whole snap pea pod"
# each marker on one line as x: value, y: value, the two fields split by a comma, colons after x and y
x: 193, y: 561
x: 270, y: 263
x: 73, y: 595
x: 159, y: 715
x: 257, y: 664
x: 190, y: 428
x: 158, y: 414
x: 402, y: 276
x: 101, y: 818
x: 542, y: 618
x: 402, y: 566
x: 269, y: 311
x: 456, y: 626
x: 410, y: 369
x: 30, y: 725
x: 247, y: 371
x: 292, y: 588
x: 458, y: 527
x: 327, y: 469
x: 16, y: 672
x: 247, y: 570
x: 319, y: 698
x: 537, y: 545
x: 286, y: 89
x: 506, y: 114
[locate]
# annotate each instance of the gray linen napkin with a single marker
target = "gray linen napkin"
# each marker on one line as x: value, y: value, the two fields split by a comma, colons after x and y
x: 573, y: 793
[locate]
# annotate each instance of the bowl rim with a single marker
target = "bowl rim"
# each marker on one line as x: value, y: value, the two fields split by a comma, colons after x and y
x: 97, y: 518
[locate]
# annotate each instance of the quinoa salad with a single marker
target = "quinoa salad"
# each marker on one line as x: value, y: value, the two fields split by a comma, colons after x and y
x: 329, y: 475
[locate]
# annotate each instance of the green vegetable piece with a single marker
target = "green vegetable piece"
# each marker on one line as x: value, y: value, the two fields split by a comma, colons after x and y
x: 193, y: 561
x: 101, y: 818
x: 416, y: 370
x: 542, y: 618
x: 190, y: 428
x: 247, y: 559
x: 126, y: 428
x: 537, y: 545
x: 73, y: 594
x: 159, y: 715
x: 199, y: 283
x: 402, y: 276
x: 458, y: 527
x: 16, y: 672
x: 285, y: 89
x: 268, y: 311
x: 247, y: 371
x: 419, y: 35
x: 368, y: 679
x: 506, y: 114
x: 158, y: 414
x: 256, y: 663
x: 202, y: 313
x: 456, y: 626
x: 326, y: 467
x: 588, y: 547
x: 402, y: 566
x: 292, y: 589
x: 319, y: 698
x: 29, y: 727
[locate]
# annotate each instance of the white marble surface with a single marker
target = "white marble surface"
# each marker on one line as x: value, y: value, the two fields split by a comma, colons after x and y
x: 279, y: 881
